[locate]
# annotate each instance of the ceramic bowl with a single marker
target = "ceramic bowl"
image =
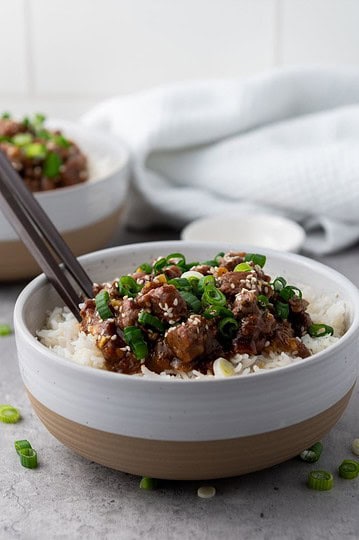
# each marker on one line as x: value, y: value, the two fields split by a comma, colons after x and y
x: 260, y: 230
x: 194, y: 429
x: 86, y: 214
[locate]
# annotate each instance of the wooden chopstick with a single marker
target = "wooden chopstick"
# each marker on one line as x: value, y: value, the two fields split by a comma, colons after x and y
x: 40, y: 236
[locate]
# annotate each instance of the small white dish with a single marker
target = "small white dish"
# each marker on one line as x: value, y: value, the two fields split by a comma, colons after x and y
x: 260, y: 230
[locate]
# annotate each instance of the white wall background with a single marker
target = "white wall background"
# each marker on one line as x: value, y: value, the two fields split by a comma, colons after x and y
x: 62, y: 56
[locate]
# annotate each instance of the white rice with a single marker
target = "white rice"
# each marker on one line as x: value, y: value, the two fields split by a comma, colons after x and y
x: 62, y: 335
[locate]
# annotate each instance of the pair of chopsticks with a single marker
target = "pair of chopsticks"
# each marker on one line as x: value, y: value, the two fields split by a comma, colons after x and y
x: 41, y: 237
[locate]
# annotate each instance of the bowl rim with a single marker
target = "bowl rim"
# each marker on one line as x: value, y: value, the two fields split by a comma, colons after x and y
x: 22, y: 330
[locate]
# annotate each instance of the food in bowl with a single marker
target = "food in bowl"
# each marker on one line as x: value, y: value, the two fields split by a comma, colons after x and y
x: 202, y: 428
x: 45, y: 159
x: 220, y: 317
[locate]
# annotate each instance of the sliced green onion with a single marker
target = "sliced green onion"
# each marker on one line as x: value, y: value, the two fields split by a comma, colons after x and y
x: 158, y: 265
x: 348, y: 469
x: 210, y: 262
x: 52, y: 165
x: 279, y: 283
x: 204, y: 281
x: 43, y: 134
x: 320, y: 480
x: 148, y: 483
x: 28, y: 458
x: 61, y: 141
x: 289, y: 291
x: 256, y: 258
x: 243, y: 267
x: 20, y: 445
x: 176, y: 258
x: 312, y: 454
x: 8, y: 414
x: 6, y: 116
x: 262, y: 300
x: 145, y: 267
x: 189, y: 265
x: 35, y: 150
x: 102, y: 299
x: 319, y: 330
x: 355, y: 447
x: 192, y: 301
x: 218, y: 257
x: 282, y: 310
x: 135, y: 339
x: 213, y: 296
x: 228, y: 327
x: 150, y: 320
x: 217, y: 311
x: 21, y: 139
x: 39, y: 118
x: 127, y: 286
x: 5, y: 330
x: 182, y: 284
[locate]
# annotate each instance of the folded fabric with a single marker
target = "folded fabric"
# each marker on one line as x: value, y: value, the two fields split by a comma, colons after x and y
x: 285, y: 142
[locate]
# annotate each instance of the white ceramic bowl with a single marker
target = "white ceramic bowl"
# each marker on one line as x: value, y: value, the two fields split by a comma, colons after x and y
x: 86, y: 214
x: 260, y: 230
x: 193, y: 429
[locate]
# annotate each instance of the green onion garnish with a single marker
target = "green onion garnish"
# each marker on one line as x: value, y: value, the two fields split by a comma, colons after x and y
x: 52, y: 165
x: 262, y: 300
x: 289, y: 291
x: 243, y: 267
x: 319, y: 330
x: 176, y: 258
x: 145, y: 267
x: 320, y: 480
x: 349, y: 469
x: 150, y: 320
x: 134, y: 338
x: 6, y: 116
x: 28, y: 458
x: 279, y: 283
x: 189, y: 265
x: 21, y: 139
x: 228, y: 327
x: 127, y: 286
x: 217, y: 311
x: 35, y: 150
x: 213, y: 296
x: 192, y: 301
x: 61, y: 141
x: 102, y: 299
x: 218, y: 257
x: 204, y: 281
x: 282, y: 310
x: 182, y: 284
x: 211, y: 262
x: 5, y: 330
x: 158, y: 265
x: 312, y: 454
x: 256, y: 258
x: 148, y: 483
x: 8, y: 414
x: 20, y: 445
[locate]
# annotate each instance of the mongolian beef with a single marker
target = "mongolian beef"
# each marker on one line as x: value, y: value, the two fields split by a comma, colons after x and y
x: 174, y: 316
x: 44, y: 159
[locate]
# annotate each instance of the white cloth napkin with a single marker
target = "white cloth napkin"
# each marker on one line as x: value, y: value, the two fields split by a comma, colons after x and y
x: 285, y: 142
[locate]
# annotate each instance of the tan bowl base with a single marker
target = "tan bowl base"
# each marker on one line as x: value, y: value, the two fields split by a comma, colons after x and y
x: 17, y: 263
x: 190, y: 460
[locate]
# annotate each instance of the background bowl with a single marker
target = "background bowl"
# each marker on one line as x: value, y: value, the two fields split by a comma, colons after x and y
x: 86, y: 214
x: 261, y: 230
x: 175, y: 429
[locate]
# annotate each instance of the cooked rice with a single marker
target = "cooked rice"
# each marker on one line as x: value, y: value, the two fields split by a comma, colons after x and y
x: 61, y: 334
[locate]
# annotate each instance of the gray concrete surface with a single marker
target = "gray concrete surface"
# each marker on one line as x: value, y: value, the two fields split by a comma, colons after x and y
x: 69, y: 497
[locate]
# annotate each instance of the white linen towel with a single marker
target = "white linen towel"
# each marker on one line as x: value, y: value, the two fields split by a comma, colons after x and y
x: 286, y: 142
